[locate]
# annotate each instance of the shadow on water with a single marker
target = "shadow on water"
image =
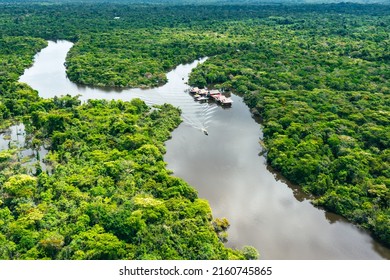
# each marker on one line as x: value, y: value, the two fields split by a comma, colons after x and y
x: 302, y: 196
x: 297, y: 191
x: 264, y: 210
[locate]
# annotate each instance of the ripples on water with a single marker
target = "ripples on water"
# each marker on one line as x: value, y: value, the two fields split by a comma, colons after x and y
x: 49, y: 78
x: 195, y: 114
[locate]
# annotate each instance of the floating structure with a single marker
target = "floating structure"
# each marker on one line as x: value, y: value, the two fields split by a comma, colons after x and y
x: 213, y: 94
x: 222, y: 99
x: 194, y: 90
x: 201, y: 98
x: 203, y: 92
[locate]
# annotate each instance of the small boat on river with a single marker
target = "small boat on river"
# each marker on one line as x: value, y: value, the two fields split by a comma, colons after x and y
x: 201, y: 98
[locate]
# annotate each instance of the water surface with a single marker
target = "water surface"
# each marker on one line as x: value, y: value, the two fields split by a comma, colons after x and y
x: 226, y: 169
x: 15, y: 138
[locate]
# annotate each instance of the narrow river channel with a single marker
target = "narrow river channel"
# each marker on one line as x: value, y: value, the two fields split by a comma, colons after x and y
x: 226, y: 169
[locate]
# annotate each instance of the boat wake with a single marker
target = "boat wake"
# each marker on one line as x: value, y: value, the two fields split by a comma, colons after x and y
x: 194, y: 114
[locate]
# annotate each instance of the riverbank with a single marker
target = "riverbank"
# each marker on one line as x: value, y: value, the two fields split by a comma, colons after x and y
x: 226, y: 170
x: 325, y: 131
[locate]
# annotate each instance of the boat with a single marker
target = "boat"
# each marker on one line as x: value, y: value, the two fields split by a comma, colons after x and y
x: 214, y: 92
x: 226, y: 101
x: 216, y: 97
x: 222, y: 99
x: 205, y: 131
x: 194, y: 90
x: 203, y: 92
x: 201, y: 98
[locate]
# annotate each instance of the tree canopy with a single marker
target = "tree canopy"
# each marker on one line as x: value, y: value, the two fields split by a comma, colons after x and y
x: 317, y: 75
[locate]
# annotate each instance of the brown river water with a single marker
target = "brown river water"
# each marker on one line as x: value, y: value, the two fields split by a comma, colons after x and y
x: 227, y: 169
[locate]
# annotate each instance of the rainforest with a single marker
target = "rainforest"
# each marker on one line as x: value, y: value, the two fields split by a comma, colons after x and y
x: 317, y: 77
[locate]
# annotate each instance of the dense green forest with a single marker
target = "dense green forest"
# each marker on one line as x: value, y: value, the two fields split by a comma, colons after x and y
x: 322, y: 88
x: 318, y: 75
x: 110, y: 196
x: 107, y: 194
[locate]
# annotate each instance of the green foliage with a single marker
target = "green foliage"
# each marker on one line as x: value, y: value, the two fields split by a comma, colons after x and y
x: 136, y: 58
x: 318, y: 75
x: 20, y: 186
x: 321, y: 86
x: 220, y: 227
x: 16, y: 55
x: 250, y: 253
x: 109, y: 195
x: 104, y: 199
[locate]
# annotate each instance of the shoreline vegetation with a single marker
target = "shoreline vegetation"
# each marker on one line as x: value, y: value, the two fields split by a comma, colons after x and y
x: 318, y: 75
x: 108, y: 194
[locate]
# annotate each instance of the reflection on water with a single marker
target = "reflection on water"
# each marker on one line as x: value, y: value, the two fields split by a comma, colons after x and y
x: 333, y: 218
x: 15, y: 138
x: 297, y: 191
x: 225, y: 168
x: 49, y: 78
x: 263, y: 210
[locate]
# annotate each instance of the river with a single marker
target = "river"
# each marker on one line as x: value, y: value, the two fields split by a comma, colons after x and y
x: 226, y: 169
